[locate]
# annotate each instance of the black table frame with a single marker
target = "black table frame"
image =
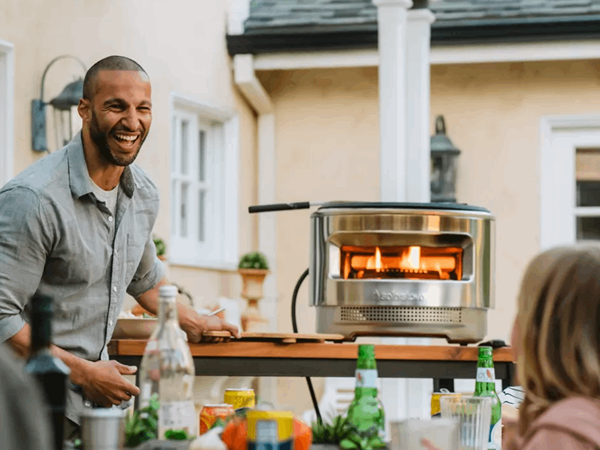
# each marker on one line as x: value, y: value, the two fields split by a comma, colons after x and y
x: 443, y: 372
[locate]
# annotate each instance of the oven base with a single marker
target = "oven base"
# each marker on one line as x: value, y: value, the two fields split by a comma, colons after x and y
x: 456, y: 325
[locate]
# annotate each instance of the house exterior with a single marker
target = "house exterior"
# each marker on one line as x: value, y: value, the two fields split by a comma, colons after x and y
x: 277, y: 101
x: 517, y: 82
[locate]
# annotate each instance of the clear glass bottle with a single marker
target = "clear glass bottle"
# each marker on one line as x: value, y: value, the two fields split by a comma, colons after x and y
x: 50, y: 372
x: 365, y: 413
x: 167, y: 370
x: 485, y: 386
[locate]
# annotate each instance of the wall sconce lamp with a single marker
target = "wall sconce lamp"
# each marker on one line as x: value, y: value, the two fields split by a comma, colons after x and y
x: 61, y: 107
x: 444, y: 161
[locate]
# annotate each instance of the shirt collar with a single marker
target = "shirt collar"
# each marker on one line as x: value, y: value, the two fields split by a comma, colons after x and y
x: 78, y: 172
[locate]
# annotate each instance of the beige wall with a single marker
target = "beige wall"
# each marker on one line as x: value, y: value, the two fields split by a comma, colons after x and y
x: 328, y: 149
x: 181, y: 44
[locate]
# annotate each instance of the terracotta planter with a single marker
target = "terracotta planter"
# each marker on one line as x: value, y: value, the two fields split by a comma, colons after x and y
x: 253, y: 280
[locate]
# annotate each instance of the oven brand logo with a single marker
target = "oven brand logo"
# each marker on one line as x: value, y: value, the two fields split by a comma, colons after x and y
x: 392, y: 297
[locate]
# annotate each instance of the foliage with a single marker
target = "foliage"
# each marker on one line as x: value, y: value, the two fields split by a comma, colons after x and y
x: 161, y: 247
x: 142, y: 426
x: 362, y: 440
x: 333, y: 433
x: 254, y: 260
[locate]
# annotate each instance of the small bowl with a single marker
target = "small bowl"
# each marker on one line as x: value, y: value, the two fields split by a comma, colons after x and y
x: 134, y: 328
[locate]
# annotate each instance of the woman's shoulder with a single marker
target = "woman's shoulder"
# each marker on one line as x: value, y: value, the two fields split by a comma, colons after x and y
x: 570, y: 423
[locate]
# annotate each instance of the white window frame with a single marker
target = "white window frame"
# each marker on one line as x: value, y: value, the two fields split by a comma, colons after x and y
x: 560, y: 137
x: 220, y: 252
x: 7, y: 89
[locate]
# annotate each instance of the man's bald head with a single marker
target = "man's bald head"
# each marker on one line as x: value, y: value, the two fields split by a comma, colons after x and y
x: 109, y: 63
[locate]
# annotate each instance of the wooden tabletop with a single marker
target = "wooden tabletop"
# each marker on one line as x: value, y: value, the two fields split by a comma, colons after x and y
x: 346, y: 350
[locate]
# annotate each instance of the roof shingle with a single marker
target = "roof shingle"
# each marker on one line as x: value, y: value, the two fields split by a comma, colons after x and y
x: 270, y: 15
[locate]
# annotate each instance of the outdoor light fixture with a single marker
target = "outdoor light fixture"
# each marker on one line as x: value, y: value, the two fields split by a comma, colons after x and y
x: 61, y: 107
x: 444, y: 158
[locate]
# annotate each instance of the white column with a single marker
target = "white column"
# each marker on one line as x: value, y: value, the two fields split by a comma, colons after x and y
x: 417, y: 392
x: 418, y: 106
x: 392, y: 26
x: 259, y: 100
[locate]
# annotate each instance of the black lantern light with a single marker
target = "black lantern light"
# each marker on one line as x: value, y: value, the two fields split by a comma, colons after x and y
x: 444, y: 156
x: 61, y: 107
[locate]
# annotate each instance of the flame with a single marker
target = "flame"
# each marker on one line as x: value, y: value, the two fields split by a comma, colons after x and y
x: 377, y: 259
x: 414, y: 257
x: 411, y: 261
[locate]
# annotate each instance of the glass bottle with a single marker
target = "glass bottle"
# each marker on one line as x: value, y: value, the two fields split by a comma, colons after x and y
x: 49, y: 371
x: 365, y: 413
x: 485, y: 386
x: 167, y: 371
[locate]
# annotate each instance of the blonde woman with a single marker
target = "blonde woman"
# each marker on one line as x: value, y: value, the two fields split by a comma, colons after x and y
x: 556, y: 340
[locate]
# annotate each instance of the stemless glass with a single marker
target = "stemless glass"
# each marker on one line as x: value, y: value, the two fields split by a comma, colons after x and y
x: 474, y: 415
x: 442, y: 434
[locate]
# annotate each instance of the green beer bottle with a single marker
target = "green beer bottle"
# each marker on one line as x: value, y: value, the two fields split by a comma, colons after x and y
x: 365, y: 414
x: 485, y: 386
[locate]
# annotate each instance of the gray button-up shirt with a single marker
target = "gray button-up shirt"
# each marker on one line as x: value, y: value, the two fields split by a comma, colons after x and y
x: 58, y: 239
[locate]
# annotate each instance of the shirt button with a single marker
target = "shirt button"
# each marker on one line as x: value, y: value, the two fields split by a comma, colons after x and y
x: 110, y: 322
x: 110, y: 218
x: 114, y: 289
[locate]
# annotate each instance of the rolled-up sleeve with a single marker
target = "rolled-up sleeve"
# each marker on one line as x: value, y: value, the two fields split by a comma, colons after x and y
x: 25, y: 242
x: 149, y: 272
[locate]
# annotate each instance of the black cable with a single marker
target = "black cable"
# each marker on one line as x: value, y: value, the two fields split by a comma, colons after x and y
x: 295, y: 328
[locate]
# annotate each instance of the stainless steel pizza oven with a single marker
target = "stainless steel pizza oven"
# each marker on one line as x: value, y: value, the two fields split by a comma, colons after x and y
x: 389, y: 269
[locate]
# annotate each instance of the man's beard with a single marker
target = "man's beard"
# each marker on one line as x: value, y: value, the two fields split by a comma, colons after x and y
x: 100, y: 138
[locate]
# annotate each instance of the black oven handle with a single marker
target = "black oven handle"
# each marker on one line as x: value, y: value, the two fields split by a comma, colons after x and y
x: 283, y: 207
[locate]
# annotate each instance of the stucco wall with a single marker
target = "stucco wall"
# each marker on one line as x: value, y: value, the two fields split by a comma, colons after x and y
x: 181, y: 44
x: 327, y: 149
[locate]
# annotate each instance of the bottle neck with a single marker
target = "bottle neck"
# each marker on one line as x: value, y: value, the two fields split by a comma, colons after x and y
x: 41, y: 330
x: 366, y: 363
x: 167, y: 311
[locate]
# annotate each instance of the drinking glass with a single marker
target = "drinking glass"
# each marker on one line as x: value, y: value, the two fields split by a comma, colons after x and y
x: 442, y: 434
x: 474, y: 415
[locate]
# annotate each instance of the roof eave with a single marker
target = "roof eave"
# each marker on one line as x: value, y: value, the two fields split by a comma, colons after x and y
x: 309, y: 38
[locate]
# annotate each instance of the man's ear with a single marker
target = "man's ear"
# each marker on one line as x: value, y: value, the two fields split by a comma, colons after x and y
x: 84, y: 108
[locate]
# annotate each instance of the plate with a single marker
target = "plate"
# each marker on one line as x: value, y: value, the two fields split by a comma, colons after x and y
x: 134, y: 328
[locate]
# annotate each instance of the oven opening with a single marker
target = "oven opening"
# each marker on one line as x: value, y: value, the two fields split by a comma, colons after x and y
x: 413, y: 262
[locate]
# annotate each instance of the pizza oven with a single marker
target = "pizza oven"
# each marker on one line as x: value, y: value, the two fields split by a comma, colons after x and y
x: 402, y: 269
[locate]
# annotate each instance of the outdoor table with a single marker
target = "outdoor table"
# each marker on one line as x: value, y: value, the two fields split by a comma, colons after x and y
x: 269, y: 359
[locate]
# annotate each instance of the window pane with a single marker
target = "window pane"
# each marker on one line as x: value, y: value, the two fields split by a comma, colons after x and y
x: 202, y: 156
x: 174, y: 145
x: 588, y: 177
x: 588, y: 228
x: 588, y: 193
x: 201, y: 215
x: 183, y: 212
x: 174, y: 206
x: 184, y: 147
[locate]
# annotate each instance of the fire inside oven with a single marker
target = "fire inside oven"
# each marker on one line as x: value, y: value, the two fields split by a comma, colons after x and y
x: 401, y: 262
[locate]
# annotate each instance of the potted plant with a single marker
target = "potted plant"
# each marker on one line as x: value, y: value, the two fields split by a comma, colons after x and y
x: 253, y: 268
x: 328, y: 436
x: 161, y: 248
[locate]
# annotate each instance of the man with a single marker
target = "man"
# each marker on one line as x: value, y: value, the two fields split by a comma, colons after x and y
x: 77, y: 226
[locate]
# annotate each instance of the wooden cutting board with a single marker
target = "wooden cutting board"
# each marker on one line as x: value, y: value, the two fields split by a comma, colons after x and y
x: 281, y: 338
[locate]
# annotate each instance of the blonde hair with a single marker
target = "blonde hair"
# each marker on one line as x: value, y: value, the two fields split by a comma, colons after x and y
x: 559, y: 328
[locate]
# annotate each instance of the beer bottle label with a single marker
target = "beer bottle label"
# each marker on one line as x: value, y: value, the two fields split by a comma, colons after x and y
x: 495, y: 438
x: 176, y: 416
x: 366, y: 378
x: 486, y: 374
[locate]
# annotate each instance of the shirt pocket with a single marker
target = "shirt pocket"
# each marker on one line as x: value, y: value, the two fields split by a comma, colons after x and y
x: 135, y: 250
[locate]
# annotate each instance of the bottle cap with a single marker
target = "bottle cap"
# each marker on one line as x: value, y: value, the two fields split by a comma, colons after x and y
x: 168, y: 291
x: 366, y: 351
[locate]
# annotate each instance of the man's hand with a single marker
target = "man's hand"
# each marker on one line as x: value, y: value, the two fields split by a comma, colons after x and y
x: 102, y: 382
x: 194, y: 325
